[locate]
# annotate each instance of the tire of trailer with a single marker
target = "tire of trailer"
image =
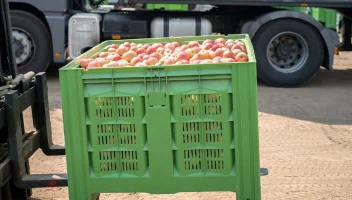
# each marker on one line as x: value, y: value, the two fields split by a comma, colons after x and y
x: 28, y: 25
x: 307, y: 64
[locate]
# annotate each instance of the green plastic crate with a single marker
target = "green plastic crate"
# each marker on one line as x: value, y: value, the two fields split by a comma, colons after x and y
x: 168, y: 6
x: 162, y: 129
x: 327, y: 16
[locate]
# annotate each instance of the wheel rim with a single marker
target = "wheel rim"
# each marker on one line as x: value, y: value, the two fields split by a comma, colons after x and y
x: 287, y: 52
x: 23, y: 45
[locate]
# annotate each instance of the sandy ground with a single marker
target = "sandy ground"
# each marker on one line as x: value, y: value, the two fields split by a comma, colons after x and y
x: 305, y: 141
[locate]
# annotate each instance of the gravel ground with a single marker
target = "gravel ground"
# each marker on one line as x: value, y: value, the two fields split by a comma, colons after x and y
x: 305, y: 141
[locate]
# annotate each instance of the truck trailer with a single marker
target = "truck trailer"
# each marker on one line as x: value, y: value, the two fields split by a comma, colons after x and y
x: 290, y: 46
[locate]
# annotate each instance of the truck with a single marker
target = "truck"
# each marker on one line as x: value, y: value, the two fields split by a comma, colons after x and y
x: 290, y: 46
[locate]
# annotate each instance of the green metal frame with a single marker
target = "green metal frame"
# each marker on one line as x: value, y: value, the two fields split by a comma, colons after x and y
x: 156, y: 108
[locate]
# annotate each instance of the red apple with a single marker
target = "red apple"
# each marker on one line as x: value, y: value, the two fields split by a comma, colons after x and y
x: 206, y: 61
x: 123, y: 63
x: 243, y: 48
x: 230, y: 45
x: 169, y: 61
x: 211, y: 54
x: 146, y: 57
x: 182, y: 56
x: 152, y: 61
x: 103, y: 54
x: 217, y: 58
x: 135, y: 60
x: 236, y: 46
x: 230, y: 60
x: 146, y: 46
x: 220, y: 40
x: 183, y: 48
x: 176, y: 44
x: 230, y: 41
x: 167, y: 51
x: 139, y: 46
x: 156, y: 55
x: 121, y: 50
x: 113, y: 64
x: 197, y: 49
x: 150, y: 50
x: 94, y: 64
x: 217, y: 61
x: 133, y: 48
x: 127, y: 44
x: 196, y: 61
x: 228, y: 54
x: 115, y: 46
x: 112, y: 49
x: 127, y: 56
x: 215, y: 47
x: 236, y: 51
x: 193, y: 44
x: 160, y: 50
x: 140, y: 64
x: 140, y: 51
x: 241, y: 57
x: 208, y: 46
x: 219, y: 52
x: 169, y: 46
x: 190, y: 52
x: 157, y: 45
x: 84, y: 63
x: 208, y: 41
x: 133, y: 44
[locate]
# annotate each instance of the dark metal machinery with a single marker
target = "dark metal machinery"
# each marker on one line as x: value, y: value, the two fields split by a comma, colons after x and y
x: 17, y: 93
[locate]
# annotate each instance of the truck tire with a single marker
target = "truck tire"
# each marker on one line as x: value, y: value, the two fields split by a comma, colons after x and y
x: 31, y: 42
x: 289, y: 52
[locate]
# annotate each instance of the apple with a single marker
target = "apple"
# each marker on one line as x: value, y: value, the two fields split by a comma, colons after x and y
x: 151, y: 50
x: 217, y: 61
x: 193, y: 44
x: 160, y: 50
x: 197, y: 49
x: 167, y: 52
x: 230, y: 60
x: 156, y: 55
x: 102, y: 60
x: 140, y: 51
x: 157, y: 45
x: 123, y: 63
x: 146, y: 46
x: 141, y: 55
x: 103, y: 54
x: 196, y: 61
x: 94, y: 64
x: 208, y: 46
x: 133, y: 44
x: 236, y: 46
x: 84, y: 63
x: 169, y: 61
x: 228, y: 54
x: 220, y: 40
x: 113, y: 64
x: 110, y: 57
x: 208, y: 41
x: 140, y: 64
x: 215, y: 47
x: 133, y: 48
x: 152, y: 61
x: 230, y: 41
x: 206, y: 61
x: 230, y: 45
x: 115, y: 46
x: 182, y: 56
x: 243, y: 48
x: 241, y: 57
x: 127, y: 56
x: 139, y: 46
x: 169, y: 46
x: 211, y: 54
x: 146, y: 57
x: 176, y: 44
x: 184, y: 62
x: 121, y: 50
x: 112, y: 49
x: 236, y: 51
x: 127, y: 44
x: 190, y: 52
x: 219, y: 52
x: 135, y: 60
x: 184, y: 47
x: 217, y: 58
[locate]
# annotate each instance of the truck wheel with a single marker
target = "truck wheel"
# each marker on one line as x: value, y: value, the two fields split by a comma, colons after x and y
x: 289, y: 52
x: 31, y: 42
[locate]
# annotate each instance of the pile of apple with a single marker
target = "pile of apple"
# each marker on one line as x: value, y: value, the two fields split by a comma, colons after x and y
x: 132, y: 54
